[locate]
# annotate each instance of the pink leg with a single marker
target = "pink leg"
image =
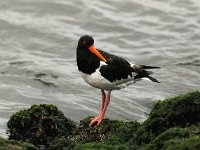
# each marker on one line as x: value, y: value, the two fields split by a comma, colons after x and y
x: 100, y: 117
x: 103, y: 100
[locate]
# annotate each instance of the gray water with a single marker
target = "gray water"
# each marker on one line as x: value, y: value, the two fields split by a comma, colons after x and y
x: 38, y: 40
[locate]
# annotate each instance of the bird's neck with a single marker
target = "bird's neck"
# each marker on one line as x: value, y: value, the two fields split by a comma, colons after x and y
x: 87, y: 62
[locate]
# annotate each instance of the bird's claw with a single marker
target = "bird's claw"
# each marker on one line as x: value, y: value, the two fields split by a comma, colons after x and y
x: 97, y: 119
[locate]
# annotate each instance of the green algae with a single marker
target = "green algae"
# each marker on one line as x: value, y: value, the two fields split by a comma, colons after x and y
x: 15, y: 145
x: 39, y: 124
x: 173, y: 136
x: 172, y: 124
x: 192, y: 143
x: 180, y: 111
x: 110, y: 131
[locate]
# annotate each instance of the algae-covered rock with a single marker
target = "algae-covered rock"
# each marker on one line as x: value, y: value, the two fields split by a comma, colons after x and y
x: 172, y: 124
x: 180, y: 111
x: 192, y: 143
x: 61, y: 143
x: 110, y: 131
x: 109, y: 135
x: 15, y: 145
x: 101, y: 146
x: 39, y: 124
x: 173, y: 136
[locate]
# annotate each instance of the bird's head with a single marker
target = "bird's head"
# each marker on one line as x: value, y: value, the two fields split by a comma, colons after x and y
x: 86, y: 42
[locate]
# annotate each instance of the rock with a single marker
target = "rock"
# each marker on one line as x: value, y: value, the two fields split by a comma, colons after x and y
x: 172, y: 124
x: 39, y: 125
x: 185, y: 144
x: 61, y: 143
x: 173, y: 136
x: 15, y: 145
x: 180, y: 111
x: 109, y: 131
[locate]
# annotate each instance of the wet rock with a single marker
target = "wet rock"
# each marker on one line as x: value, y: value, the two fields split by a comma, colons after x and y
x: 180, y: 111
x: 61, y: 143
x: 172, y: 124
x: 109, y: 131
x: 185, y: 144
x: 15, y: 145
x: 39, y: 125
x: 174, y: 136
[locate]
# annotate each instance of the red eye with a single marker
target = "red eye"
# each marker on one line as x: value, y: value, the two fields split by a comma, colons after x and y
x: 84, y: 42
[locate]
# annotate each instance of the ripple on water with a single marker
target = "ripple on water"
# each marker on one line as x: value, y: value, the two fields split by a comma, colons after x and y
x: 38, y: 53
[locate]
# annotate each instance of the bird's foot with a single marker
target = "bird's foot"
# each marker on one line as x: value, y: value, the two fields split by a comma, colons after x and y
x: 97, y: 119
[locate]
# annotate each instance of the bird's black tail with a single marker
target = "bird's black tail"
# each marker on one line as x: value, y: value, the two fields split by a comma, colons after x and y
x: 143, y: 73
x: 150, y: 72
x: 149, y: 67
x: 153, y: 79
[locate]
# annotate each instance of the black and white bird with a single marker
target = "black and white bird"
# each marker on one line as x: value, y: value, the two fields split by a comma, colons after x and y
x: 107, y: 72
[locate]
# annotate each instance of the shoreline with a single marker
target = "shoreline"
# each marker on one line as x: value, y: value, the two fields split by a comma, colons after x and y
x: 171, y: 122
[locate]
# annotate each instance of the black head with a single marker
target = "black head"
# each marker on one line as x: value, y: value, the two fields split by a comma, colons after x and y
x: 86, y: 41
x: 86, y: 46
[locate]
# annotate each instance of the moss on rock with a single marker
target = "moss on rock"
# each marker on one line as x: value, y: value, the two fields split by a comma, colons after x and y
x: 173, y: 136
x: 15, y: 145
x: 109, y: 131
x: 100, y: 146
x: 180, y: 111
x: 192, y: 143
x: 61, y: 143
x: 39, y: 125
x: 172, y: 124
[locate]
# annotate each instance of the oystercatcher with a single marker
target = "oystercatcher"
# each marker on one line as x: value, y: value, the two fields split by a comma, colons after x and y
x: 107, y: 72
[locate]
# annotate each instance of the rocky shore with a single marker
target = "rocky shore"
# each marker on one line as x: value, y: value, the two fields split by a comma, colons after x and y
x: 173, y: 123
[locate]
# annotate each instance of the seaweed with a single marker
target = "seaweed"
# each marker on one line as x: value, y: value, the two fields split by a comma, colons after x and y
x: 180, y: 111
x: 173, y: 123
x: 39, y: 125
x: 15, y: 145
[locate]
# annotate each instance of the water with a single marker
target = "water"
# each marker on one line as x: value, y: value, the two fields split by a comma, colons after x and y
x: 38, y: 57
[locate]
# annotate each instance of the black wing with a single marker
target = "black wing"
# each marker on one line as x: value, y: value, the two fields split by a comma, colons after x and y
x: 117, y: 68
x: 114, y: 60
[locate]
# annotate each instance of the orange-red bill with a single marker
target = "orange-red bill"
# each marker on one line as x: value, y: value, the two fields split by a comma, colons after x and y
x: 93, y: 50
